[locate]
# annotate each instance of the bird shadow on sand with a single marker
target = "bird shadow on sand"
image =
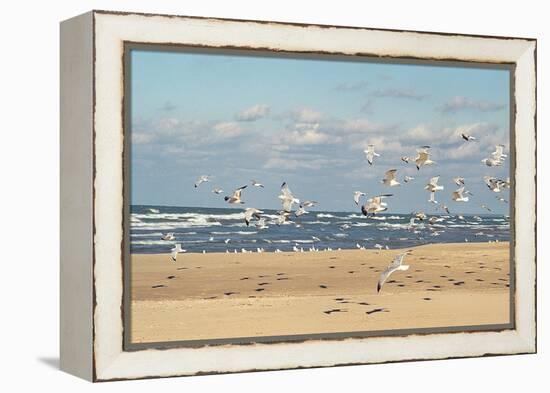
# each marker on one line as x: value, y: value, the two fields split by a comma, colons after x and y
x: 51, y: 362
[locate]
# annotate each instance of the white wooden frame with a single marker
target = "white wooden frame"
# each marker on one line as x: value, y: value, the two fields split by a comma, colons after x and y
x: 92, y: 194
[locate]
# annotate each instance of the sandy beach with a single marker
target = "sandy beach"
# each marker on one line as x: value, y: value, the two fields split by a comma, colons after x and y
x: 219, y: 295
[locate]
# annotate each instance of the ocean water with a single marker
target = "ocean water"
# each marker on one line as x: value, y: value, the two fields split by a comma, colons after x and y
x: 207, y: 229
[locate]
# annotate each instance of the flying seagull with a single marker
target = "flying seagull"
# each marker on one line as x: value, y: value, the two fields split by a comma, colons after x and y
x: 458, y: 195
x: 494, y: 184
x: 423, y: 157
x: 395, y: 265
x: 370, y: 153
x: 261, y: 224
x: 405, y: 159
x: 486, y: 208
x: 389, y: 178
x: 308, y: 203
x: 459, y: 181
x: 217, y: 190
x: 236, y: 197
x: 154, y: 211
x: 467, y: 137
x: 407, y: 178
x: 176, y: 250
x: 250, y: 213
x: 432, y: 187
x: 300, y: 212
x: 497, y: 157
x: 357, y: 195
x: 202, y: 179
x: 168, y: 236
x: 256, y: 184
x: 375, y: 205
x: 501, y: 199
x: 287, y: 198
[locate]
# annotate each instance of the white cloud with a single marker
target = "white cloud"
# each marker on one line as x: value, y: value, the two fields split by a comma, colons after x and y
x: 351, y: 86
x: 254, y: 113
x: 460, y: 103
x: 140, y: 138
x: 399, y: 93
x: 287, y: 163
x: 306, y: 115
x: 228, y: 129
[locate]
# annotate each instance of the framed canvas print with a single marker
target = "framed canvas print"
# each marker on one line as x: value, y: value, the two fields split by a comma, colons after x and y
x: 246, y: 195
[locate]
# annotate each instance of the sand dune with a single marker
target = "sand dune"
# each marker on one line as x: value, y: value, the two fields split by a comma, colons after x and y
x: 218, y: 295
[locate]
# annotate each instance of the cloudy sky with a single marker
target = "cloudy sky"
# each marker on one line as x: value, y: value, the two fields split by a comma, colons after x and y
x: 307, y: 122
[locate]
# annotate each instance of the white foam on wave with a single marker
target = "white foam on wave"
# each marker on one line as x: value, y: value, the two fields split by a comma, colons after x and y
x: 189, y: 216
x: 234, y: 233
x: 324, y: 215
x: 148, y: 234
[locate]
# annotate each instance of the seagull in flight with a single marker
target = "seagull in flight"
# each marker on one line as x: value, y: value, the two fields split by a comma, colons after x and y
x: 168, y: 236
x: 251, y: 213
x: 501, y: 199
x: 432, y: 187
x: 261, y: 224
x: 256, y: 184
x: 370, y: 153
x: 486, y: 208
x: 458, y: 195
x: 236, y: 197
x: 494, y: 184
x: 389, y: 178
x: 459, y: 181
x: 308, y: 203
x: 405, y: 159
x: 395, y: 265
x: 217, y: 190
x: 176, y: 250
x: 287, y: 198
x: 467, y: 137
x: 407, y: 178
x: 423, y: 157
x: 357, y: 195
x: 202, y: 179
x: 154, y: 211
x: 497, y: 157
x: 375, y: 205
x: 300, y: 211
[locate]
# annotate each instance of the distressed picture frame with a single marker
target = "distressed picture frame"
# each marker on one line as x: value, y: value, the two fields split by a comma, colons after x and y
x: 94, y: 156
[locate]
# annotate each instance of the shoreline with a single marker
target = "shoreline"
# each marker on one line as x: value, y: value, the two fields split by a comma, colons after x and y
x: 226, y: 295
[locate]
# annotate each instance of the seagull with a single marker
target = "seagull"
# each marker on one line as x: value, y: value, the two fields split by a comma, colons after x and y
x: 494, y: 184
x: 236, y: 197
x: 420, y: 215
x: 458, y: 195
x: 445, y: 208
x: 357, y: 195
x: 459, y: 181
x: 412, y: 224
x: 369, y: 152
x: 395, y: 265
x: 287, y: 198
x: 256, y: 184
x: 434, y: 220
x: 300, y: 212
x: 261, y: 224
x: 308, y: 203
x: 250, y: 213
x: 375, y: 205
x: 467, y: 137
x: 168, y: 236
x: 497, y: 157
x: 202, y: 179
x: 405, y: 159
x: 217, y: 190
x: 227, y: 241
x: 176, y: 250
x: 486, y: 208
x: 378, y: 246
x: 389, y: 178
x: 432, y: 187
x: 501, y: 199
x: 407, y: 179
x: 283, y: 218
x: 154, y: 211
x: 423, y: 157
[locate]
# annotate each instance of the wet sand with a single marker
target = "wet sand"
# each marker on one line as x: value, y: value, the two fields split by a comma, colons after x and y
x: 218, y: 295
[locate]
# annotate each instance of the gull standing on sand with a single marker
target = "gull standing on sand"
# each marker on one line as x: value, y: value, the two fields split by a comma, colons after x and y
x: 168, y: 236
x: 375, y: 205
x: 202, y: 179
x: 256, y: 184
x: 467, y: 137
x: 236, y: 197
x: 176, y: 250
x: 395, y: 265
x: 423, y: 157
x: 458, y: 195
x: 432, y: 187
x: 357, y: 195
x: 287, y: 198
x: 250, y: 213
x: 370, y: 153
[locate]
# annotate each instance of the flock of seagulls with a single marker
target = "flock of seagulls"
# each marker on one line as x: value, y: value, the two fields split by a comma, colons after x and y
x: 372, y: 205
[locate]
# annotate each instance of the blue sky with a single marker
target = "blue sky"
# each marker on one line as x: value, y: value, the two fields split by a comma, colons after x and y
x: 307, y: 122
